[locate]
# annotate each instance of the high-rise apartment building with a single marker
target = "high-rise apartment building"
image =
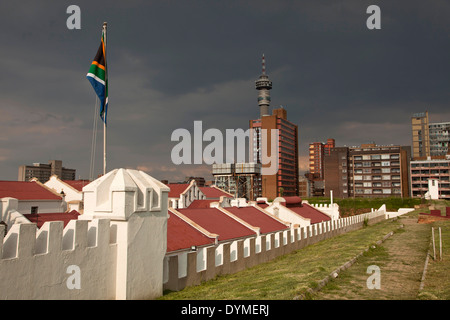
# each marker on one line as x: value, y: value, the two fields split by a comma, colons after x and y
x: 367, y: 171
x: 439, y: 138
x: 317, y: 151
x: 429, y: 139
x: 420, y: 135
x: 423, y: 170
x: 43, y: 171
x: 285, y: 181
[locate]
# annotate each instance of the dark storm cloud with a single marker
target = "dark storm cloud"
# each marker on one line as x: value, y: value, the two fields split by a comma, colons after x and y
x: 173, y: 62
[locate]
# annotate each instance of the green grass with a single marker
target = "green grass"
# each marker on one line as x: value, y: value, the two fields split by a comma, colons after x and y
x: 437, y: 278
x: 351, y: 206
x: 290, y: 275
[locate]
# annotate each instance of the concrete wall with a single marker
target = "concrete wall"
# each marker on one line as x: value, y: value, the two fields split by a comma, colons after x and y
x: 183, y: 270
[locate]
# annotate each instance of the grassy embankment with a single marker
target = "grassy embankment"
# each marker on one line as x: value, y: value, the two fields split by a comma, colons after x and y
x: 352, y: 206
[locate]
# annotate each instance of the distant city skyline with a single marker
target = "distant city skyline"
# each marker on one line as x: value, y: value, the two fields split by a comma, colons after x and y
x: 172, y: 63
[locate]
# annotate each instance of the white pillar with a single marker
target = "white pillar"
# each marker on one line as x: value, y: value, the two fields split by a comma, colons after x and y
x: 331, y: 196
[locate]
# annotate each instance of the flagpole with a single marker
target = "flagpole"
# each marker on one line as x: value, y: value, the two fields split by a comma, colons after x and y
x: 104, y: 117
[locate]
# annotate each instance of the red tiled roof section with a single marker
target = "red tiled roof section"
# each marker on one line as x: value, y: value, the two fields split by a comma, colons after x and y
x: 41, y: 218
x: 77, y: 184
x: 256, y: 218
x: 307, y: 211
x: 217, y: 222
x: 262, y: 204
x: 26, y: 190
x: 201, y: 204
x: 294, y: 200
x: 181, y: 235
x: 214, y: 193
x: 176, y: 189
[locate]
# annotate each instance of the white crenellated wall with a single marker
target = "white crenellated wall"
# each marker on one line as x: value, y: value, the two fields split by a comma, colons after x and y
x: 36, y: 264
x: 114, y: 251
x: 9, y: 213
x: 330, y: 209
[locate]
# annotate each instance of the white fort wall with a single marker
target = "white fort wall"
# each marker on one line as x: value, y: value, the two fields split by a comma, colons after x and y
x: 115, y: 250
x: 40, y: 264
x: 192, y: 268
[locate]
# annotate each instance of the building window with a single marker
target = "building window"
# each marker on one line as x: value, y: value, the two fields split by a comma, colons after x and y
x: 34, y: 210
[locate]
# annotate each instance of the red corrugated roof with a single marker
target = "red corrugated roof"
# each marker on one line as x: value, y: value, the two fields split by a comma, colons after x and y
x: 262, y: 204
x: 77, y: 184
x: 293, y: 200
x: 26, y: 190
x: 176, y: 189
x: 201, y: 204
x: 181, y: 235
x: 215, y: 221
x: 41, y: 218
x: 214, y: 193
x: 307, y: 211
x: 256, y: 218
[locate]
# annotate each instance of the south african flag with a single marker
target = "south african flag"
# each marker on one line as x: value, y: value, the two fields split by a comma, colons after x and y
x: 98, y: 77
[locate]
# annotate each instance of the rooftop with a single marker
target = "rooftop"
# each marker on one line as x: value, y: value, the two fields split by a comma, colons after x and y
x: 215, y: 221
x: 77, y: 184
x: 182, y: 235
x: 257, y: 218
x: 176, y: 189
x: 305, y: 210
x: 201, y: 203
x: 26, y: 190
x: 214, y: 192
x: 41, y: 218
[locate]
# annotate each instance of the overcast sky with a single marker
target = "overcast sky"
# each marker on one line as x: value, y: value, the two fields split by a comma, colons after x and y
x: 173, y: 62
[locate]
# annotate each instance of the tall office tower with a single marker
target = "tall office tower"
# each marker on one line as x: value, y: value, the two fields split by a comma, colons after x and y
x: 285, y: 181
x: 420, y: 135
x: 263, y: 85
x: 43, y: 171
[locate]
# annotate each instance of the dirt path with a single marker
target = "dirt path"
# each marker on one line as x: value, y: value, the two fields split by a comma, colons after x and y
x: 400, y: 259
